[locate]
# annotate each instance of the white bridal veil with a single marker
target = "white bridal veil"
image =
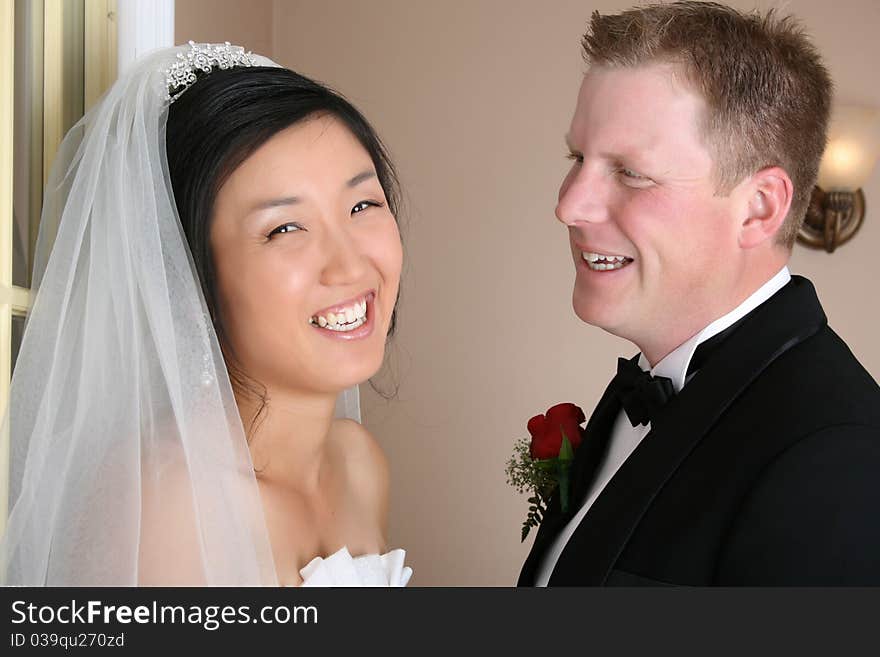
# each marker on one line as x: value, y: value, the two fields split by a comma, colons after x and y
x: 129, y: 463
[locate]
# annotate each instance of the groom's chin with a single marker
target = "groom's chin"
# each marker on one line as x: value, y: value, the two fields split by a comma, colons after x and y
x: 606, y: 317
x: 591, y: 312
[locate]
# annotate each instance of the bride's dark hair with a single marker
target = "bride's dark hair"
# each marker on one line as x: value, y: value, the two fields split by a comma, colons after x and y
x: 221, y: 120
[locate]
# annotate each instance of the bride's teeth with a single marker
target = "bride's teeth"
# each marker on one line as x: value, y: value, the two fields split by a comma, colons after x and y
x: 358, y: 322
x: 346, y: 319
x: 342, y: 328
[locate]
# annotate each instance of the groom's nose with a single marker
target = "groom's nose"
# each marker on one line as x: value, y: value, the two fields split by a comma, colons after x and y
x: 581, y: 199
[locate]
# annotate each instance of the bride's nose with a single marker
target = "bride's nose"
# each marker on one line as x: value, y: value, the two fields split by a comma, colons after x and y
x: 344, y: 262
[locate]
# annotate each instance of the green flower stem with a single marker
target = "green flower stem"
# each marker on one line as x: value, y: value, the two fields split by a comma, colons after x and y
x: 563, y: 464
x: 562, y: 475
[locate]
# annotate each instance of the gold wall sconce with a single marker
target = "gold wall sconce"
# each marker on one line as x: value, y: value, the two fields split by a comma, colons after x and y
x: 837, y: 207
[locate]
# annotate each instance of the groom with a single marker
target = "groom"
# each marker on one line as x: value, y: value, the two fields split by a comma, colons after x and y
x: 752, y: 455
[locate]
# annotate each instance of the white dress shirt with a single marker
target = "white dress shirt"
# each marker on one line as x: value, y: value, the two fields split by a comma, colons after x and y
x: 625, y: 437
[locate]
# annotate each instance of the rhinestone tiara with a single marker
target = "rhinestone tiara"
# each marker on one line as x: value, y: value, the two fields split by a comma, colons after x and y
x: 204, y: 57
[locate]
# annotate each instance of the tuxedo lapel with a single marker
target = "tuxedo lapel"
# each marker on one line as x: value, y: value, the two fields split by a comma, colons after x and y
x: 594, y: 445
x: 788, y: 318
x: 586, y: 460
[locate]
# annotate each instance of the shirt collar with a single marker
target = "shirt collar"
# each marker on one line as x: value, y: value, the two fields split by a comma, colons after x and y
x: 675, y: 364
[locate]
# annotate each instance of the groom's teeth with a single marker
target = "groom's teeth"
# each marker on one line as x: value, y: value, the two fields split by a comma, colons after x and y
x: 602, y: 262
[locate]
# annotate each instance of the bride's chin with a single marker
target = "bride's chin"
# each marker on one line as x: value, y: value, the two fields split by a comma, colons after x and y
x: 344, y: 378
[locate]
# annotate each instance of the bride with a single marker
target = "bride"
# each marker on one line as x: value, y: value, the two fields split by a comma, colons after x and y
x: 226, y: 265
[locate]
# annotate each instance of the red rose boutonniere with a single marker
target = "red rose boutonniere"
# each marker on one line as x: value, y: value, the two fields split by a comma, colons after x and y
x: 541, y: 463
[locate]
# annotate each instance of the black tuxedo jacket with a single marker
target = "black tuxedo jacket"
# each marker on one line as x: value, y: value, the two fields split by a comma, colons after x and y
x: 763, y: 470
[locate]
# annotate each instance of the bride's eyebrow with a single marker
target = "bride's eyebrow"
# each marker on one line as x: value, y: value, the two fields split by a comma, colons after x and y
x: 274, y: 203
x: 282, y: 201
x: 361, y: 177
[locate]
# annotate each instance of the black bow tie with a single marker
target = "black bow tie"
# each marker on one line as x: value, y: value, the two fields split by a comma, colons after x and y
x: 641, y: 394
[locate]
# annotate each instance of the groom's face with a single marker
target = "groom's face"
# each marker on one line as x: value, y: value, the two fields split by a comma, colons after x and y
x: 653, y: 244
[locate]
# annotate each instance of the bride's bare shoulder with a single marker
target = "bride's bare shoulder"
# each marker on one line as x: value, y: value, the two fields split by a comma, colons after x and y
x: 169, y: 553
x: 362, y: 460
x: 353, y: 444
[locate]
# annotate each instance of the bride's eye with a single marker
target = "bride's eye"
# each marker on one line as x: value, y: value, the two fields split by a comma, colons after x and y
x: 363, y: 205
x: 285, y: 228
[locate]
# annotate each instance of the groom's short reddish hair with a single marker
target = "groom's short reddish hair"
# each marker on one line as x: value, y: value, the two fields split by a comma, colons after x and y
x: 767, y: 92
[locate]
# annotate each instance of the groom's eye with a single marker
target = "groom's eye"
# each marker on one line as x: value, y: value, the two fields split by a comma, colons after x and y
x: 575, y: 157
x: 632, y: 178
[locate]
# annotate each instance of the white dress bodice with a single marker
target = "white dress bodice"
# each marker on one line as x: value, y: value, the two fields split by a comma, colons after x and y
x: 341, y: 569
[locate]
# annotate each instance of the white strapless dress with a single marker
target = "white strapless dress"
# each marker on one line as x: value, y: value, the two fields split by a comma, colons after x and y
x: 341, y: 569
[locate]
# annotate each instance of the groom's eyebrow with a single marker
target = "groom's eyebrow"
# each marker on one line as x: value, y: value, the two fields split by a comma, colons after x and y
x: 636, y: 156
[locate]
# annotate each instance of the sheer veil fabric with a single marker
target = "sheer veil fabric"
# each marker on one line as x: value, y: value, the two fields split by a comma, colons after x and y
x: 129, y: 463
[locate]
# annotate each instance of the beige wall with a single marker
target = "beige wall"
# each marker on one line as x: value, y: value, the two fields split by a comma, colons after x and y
x: 473, y: 100
x: 246, y: 23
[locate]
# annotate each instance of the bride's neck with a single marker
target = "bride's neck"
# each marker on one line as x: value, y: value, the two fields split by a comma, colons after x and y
x: 287, y: 437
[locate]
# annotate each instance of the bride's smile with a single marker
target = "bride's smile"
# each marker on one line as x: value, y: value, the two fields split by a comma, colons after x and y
x: 343, y: 319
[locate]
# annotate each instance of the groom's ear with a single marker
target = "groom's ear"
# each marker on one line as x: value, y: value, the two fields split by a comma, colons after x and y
x: 768, y: 195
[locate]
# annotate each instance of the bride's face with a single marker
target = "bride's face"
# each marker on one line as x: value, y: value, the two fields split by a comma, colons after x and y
x: 307, y: 257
